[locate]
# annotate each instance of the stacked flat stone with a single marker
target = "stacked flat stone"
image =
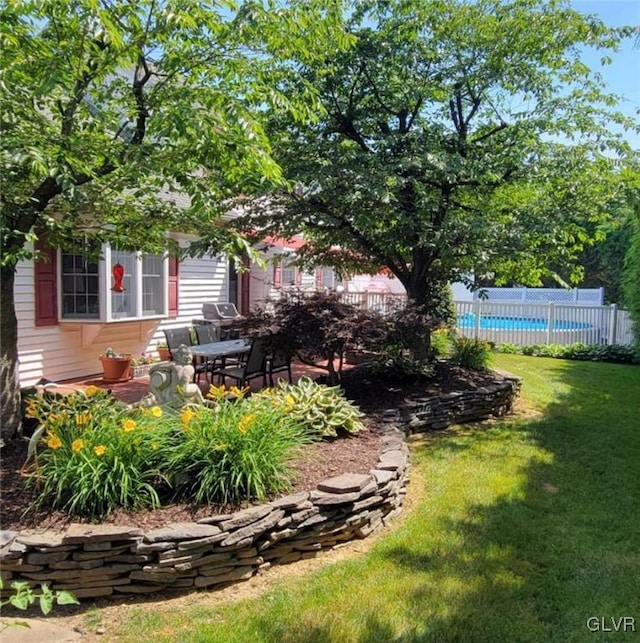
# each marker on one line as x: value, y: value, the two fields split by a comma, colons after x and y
x: 439, y: 412
x: 102, y: 560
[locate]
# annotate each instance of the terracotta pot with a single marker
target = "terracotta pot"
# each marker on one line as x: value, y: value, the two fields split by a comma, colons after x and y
x: 116, y: 369
x: 164, y: 354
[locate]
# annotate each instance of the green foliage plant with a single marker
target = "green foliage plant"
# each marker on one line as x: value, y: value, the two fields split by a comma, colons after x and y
x: 23, y: 596
x: 631, y: 281
x: 234, y: 450
x: 441, y: 343
x: 95, y: 455
x: 321, y: 409
x: 471, y: 353
x: 614, y: 353
x: 396, y: 363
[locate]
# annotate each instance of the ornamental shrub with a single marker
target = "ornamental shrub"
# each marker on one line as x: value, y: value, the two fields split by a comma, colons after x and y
x: 471, y: 353
x: 234, y: 450
x: 615, y: 353
x: 96, y: 454
x: 320, y: 409
x: 396, y: 363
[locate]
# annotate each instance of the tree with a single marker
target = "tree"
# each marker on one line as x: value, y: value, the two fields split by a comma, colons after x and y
x: 110, y: 108
x: 631, y: 273
x: 458, y: 137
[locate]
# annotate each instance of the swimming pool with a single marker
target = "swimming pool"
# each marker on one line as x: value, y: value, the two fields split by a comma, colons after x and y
x: 489, y: 322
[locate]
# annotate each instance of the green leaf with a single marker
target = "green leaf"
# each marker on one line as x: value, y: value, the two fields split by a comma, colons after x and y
x: 66, y: 598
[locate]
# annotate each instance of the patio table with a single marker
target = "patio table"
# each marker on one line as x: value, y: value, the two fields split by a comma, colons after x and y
x: 226, y: 348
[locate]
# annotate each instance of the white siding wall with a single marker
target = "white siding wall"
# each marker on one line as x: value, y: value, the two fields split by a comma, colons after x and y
x: 71, y: 349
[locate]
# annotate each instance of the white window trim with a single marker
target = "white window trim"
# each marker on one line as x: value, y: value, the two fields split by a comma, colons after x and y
x: 105, y: 280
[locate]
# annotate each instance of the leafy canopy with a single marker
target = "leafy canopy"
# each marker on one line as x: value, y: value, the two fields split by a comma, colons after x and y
x: 122, y: 120
x: 457, y: 136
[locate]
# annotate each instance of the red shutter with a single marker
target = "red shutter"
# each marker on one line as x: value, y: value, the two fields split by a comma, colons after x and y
x: 277, y: 275
x: 46, y: 285
x: 319, y: 278
x: 173, y: 286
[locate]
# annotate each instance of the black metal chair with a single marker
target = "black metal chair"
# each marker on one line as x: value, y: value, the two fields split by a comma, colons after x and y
x: 176, y: 337
x: 207, y: 333
x: 279, y: 361
x: 255, y: 366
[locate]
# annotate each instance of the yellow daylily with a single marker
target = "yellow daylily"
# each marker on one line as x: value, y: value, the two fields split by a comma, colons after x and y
x: 217, y: 392
x: 245, y: 422
x: 91, y: 390
x: 77, y: 445
x: 83, y: 418
x: 100, y: 450
x: 156, y: 411
x: 54, y: 442
x: 186, y: 416
x: 129, y: 425
x: 239, y: 392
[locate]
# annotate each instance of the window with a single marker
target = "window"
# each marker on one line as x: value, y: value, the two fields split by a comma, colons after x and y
x: 80, y: 292
x: 87, y: 286
x: 328, y: 278
x: 288, y: 275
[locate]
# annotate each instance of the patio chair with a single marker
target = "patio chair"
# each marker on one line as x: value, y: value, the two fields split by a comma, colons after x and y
x: 207, y: 333
x: 279, y: 361
x: 255, y: 366
x: 176, y: 337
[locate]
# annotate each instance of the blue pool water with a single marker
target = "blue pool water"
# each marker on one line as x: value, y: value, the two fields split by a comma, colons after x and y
x: 468, y: 320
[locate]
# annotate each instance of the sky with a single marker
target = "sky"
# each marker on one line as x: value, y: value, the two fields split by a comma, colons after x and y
x: 623, y: 74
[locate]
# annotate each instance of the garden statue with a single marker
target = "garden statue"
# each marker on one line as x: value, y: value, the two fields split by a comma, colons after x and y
x: 172, y: 383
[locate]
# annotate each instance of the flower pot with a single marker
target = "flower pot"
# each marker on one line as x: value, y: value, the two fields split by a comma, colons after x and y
x: 164, y: 354
x: 116, y: 369
x: 140, y: 371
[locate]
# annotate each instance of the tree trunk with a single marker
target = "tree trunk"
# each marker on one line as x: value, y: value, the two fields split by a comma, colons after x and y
x: 10, y: 415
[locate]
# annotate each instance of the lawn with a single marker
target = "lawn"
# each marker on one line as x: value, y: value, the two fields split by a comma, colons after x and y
x: 520, y: 530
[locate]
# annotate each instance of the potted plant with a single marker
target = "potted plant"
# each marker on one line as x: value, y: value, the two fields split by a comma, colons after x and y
x: 116, y: 366
x: 140, y: 365
x: 163, y: 352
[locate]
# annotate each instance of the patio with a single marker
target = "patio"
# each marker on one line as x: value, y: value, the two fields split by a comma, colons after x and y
x: 134, y: 389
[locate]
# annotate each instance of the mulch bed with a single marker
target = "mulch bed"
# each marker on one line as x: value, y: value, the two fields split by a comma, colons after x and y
x: 352, y: 454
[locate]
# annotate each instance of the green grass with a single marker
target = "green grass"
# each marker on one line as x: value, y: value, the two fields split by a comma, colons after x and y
x: 523, y: 529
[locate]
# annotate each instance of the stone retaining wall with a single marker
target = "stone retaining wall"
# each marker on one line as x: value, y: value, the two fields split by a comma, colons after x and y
x: 434, y: 413
x: 103, y: 560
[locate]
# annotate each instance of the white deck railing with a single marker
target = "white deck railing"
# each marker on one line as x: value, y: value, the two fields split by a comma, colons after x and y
x: 523, y: 324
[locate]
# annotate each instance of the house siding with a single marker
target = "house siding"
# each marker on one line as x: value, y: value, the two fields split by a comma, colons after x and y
x: 71, y: 349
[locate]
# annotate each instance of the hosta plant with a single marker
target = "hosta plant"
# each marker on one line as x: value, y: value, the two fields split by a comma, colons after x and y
x: 321, y: 409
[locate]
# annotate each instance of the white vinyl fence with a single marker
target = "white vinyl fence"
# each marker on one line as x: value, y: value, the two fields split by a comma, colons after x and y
x: 523, y: 324
x: 543, y: 323
x: 524, y: 295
